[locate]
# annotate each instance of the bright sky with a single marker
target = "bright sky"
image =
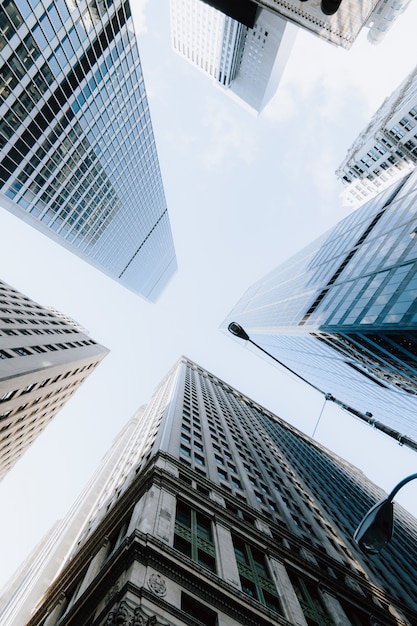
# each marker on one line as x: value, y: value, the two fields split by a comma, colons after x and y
x: 243, y: 194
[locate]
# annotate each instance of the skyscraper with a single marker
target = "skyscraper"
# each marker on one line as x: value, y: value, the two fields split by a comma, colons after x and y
x: 247, y: 62
x: 218, y: 512
x: 79, y: 161
x: 44, y: 358
x: 342, y: 312
x: 386, y: 150
x: 340, y: 28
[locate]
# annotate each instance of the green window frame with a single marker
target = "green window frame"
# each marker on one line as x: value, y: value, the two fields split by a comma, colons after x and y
x: 254, y: 575
x: 311, y: 604
x: 194, y: 536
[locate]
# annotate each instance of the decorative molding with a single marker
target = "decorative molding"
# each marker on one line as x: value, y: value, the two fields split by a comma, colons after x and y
x: 127, y: 614
x: 113, y: 591
x: 157, y: 585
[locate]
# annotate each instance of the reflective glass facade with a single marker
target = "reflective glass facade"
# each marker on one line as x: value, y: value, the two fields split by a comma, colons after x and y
x: 78, y: 155
x: 343, y: 311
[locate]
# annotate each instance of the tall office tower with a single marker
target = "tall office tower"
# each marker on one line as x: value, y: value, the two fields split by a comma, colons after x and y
x: 220, y: 513
x: 79, y: 161
x: 386, y: 150
x: 44, y: 358
x: 342, y: 313
x: 246, y: 61
x: 341, y: 28
x: 382, y: 17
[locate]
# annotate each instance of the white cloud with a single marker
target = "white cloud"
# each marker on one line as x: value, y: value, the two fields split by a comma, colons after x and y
x: 229, y: 137
x: 138, y: 13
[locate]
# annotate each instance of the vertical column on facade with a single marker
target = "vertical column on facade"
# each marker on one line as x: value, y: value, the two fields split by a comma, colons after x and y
x: 334, y: 609
x: 94, y: 567
x: 166, y: 517
x: 146, y: 521
x: 225, y: 555
x: 288, y: 598
x: 156, y: 515
x: 136, y: 515
x: 56, y: 612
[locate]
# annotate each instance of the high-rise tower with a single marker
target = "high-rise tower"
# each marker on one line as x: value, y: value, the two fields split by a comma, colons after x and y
x: 220, y: 513
x: 247, y: 62
x: 44, y: 358
x: 340, y: 28
x: 342, y: 312
x: 386, y: 150
x: 79, y: 161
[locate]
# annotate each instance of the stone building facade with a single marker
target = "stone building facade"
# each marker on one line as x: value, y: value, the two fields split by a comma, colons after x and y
x: 219, y: 514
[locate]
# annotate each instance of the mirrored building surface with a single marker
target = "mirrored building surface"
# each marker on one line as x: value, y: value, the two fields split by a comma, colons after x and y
x: 343, y: 311
x: 78, y: 155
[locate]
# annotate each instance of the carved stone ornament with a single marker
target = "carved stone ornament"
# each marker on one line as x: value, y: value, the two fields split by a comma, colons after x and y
x: 157, y: 585
x: 126, y: 614
x: 113, y: 591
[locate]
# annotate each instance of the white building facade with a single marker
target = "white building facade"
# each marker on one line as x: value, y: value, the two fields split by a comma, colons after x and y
x: 247, y: 62
x: 44, y: 358
x: 386, y: 150
x: 342, y: 28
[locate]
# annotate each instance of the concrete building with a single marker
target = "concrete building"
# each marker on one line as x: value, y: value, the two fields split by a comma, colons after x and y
x: 382, y: 17
x: 386, y: 150
x: 340, y: 28
x: 342, y: 312
x: 78, y: 156
x: 44, y: 358
x: 219, y: 513
x: 247, y: 62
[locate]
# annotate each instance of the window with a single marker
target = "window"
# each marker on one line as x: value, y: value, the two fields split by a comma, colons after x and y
x: 310, y: 601
x: 11, y: 20
x: 21, y: 351
x: 38, y: 349
x: 116, y: 538
x: 185, y: 451
x: 7, y: 395
x: 193, y: 536
x: 200, y: 612
x: 254, y: 575
x: 222, y: 473
x: 4, y: 355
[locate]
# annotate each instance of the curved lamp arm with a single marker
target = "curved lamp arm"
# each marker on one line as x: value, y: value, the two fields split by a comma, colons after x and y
x: 402, y: 482
x: 375, y: 529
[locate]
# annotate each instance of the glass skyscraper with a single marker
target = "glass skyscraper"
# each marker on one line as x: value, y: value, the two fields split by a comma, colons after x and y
x: 78, y: 155
x: 342, y: 313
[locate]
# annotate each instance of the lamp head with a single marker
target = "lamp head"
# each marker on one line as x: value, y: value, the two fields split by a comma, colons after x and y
x: 238, y: 331
x: 375, y: 530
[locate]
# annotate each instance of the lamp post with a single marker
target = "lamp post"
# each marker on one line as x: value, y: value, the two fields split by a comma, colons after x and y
x: 237, y: 330
x: 375, y: 529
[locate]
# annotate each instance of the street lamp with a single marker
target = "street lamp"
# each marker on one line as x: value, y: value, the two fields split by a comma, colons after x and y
x: 237, y: 330
x: 375, y: 529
